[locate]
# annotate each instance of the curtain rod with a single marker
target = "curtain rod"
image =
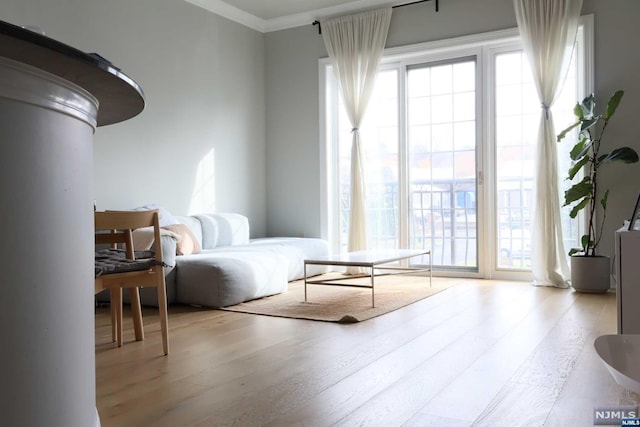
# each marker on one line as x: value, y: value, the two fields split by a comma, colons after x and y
x: 316, y: 22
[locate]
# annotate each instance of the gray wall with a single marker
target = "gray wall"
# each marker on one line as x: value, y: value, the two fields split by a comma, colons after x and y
x: 292, y: 115
x: 617, y: 66
x: 199, y: 145
x: 246, y: 105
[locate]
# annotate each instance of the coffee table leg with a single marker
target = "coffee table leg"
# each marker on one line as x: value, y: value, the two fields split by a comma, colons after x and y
x: 373, y: 300
x: 305, y: 282
x: 430, y: 268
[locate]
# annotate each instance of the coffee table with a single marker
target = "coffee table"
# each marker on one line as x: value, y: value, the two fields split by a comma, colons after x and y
x: 391, y: 261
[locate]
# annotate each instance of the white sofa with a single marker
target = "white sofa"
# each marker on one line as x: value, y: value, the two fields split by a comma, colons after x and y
x: 230, y: 268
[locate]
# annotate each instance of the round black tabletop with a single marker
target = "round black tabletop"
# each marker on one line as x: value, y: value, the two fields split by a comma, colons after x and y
x: 120, y: 97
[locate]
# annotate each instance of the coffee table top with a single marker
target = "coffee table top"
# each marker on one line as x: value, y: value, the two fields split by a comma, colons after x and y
x: 368, y: 258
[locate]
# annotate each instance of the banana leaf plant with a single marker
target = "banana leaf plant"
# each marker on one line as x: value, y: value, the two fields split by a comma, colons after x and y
x: 586, y: 155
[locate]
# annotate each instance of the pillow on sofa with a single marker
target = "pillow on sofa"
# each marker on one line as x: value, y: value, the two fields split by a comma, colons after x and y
x: 143, y: 238
x: 187, y: 244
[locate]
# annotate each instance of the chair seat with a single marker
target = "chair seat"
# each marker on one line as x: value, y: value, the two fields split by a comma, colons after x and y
x: 111, y: 261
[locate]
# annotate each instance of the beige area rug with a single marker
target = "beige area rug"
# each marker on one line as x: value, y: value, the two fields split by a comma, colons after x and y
x: 345, y: 304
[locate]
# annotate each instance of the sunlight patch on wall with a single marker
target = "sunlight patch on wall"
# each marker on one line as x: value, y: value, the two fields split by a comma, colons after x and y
x: 203, y: 199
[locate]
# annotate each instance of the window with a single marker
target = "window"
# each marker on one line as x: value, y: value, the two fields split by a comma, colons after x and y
x: 449, y: 140
x: 517, y: 115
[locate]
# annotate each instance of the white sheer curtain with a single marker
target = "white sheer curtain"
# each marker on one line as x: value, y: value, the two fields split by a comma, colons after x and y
x: 355, y: 44
x: 548, y: 31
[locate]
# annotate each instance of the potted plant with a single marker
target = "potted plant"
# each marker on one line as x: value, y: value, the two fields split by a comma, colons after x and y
x: 589, y: 270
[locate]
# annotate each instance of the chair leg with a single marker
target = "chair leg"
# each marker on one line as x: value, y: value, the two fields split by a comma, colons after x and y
x: 164, y: 318
x: 116, y: 298
x: 114, y: 316
x: 136, y: 312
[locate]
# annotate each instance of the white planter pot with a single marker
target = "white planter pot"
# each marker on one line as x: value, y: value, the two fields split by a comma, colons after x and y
x: 590, y: 274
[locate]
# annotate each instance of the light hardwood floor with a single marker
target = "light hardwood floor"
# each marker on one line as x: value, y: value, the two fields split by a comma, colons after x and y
x: 483, y: 353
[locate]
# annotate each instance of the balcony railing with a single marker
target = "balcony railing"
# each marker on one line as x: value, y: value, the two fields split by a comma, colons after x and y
x: 442, y: 217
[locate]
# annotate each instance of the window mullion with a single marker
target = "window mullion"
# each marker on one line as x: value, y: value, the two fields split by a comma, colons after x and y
x: 403, y: 158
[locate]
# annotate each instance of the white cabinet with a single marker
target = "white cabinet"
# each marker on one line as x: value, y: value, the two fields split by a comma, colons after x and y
x: 628, y: 280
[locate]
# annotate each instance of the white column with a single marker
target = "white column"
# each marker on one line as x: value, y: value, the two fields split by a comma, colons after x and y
x: 47, y: 351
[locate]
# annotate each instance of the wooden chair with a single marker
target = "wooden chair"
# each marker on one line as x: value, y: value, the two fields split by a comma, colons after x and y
x: 118, y: 268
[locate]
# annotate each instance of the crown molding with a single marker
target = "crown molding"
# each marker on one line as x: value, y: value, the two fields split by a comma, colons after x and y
x: 225, y: 10
x: 232, y: 13
x: 306, y: 18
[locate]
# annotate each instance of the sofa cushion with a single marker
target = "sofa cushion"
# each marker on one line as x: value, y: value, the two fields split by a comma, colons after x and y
x: 187, y: 244
x: 233, y: 229
x: 296, y: 249
x: 220, y: 279
x: 210, y: 227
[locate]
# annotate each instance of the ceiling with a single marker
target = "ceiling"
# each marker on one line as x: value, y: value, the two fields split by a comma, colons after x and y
x: 273, y: 15
x: 271, y: 9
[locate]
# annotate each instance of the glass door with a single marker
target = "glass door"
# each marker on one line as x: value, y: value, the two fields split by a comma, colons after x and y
x: 442, y: 139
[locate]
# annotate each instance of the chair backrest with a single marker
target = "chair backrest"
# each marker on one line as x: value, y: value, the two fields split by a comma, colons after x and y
x: 116, y: 227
